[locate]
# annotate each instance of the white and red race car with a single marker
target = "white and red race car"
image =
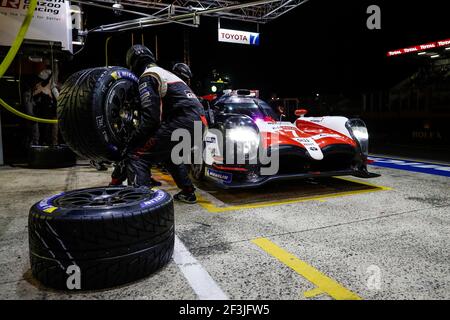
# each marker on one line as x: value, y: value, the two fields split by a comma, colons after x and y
x: 244, y: 141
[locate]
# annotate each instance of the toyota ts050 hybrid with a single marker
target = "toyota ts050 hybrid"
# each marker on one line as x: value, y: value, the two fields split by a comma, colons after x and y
x: 309, y: 147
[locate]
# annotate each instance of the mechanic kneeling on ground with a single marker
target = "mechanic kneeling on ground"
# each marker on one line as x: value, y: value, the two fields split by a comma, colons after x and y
x: 167, y: 104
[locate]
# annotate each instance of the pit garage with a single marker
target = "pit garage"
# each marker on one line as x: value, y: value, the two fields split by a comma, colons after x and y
x: 357, y: 208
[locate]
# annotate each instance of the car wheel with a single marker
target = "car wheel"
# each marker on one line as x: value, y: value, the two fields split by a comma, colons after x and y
x: 114, y: 235
x: 98, y: 110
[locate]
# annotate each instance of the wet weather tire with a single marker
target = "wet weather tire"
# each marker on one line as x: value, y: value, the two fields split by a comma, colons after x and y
x: 114, y: 235
x: 98, y: 109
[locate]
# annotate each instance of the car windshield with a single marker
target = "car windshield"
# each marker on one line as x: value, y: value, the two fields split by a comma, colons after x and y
x: 252, y: 109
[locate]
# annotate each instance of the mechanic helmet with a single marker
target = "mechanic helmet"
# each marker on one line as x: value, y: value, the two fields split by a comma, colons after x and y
x: 183, y: 71
x: 138, y: 57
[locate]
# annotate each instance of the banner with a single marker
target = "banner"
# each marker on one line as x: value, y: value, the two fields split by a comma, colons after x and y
x: 51, y: 22
x: 236, y: 36
x: 421, y: 47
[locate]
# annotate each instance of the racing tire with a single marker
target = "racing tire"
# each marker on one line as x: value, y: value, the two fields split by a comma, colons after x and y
x: 49, y: 157
x: 114, y: 235
x: 98, y: 110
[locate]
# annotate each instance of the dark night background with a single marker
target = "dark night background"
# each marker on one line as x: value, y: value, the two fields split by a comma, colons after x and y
x: 321, y: 46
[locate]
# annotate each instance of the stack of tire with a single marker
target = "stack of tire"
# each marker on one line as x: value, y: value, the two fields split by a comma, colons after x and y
x: 109, y: 236
x: 100, y: 237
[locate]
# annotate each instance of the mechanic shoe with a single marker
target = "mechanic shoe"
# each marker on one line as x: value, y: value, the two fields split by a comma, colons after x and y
x: 186, y: 197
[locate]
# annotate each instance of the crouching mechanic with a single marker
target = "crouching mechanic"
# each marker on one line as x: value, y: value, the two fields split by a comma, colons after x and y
x: 167, y: 104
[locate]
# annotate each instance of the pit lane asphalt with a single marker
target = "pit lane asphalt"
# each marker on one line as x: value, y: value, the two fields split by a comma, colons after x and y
x: 401, y: 235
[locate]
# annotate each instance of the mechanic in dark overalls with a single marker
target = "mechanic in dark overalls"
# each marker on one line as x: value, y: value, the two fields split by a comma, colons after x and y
x: 183, y: 71
x: 167, y: 104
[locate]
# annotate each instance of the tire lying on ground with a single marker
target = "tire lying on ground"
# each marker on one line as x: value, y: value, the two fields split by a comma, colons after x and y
x: 114, y: 235
x: 98, y: 109
x: 47, y: 157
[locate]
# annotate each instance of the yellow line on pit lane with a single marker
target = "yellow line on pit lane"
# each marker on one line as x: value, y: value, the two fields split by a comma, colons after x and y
x: 364, y: 183
x: 322, y: 282
x: 209, y: 206
x: 313, y: 293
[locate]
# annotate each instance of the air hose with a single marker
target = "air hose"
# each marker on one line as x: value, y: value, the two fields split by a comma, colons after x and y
x: 10, y: 57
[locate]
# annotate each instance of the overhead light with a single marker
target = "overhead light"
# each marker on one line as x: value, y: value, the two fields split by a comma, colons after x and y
x: 117, y: 8
x: 448, y: 48
x: 435, y: 56
x: 191, y: 8
x: 422, y: 53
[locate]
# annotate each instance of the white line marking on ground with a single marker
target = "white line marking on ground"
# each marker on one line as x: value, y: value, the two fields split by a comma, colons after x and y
x: 408, y: 163
x: 405, y: 163
x: 199, y: 279
x: 426, y: 166
x: 443, y: 168
x: 395, y: 161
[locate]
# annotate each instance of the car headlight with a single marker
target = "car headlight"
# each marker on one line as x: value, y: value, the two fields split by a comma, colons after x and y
x: 246, y: 141
x: 243, y: 135
x: 242, y: 139
x: 358, y: 130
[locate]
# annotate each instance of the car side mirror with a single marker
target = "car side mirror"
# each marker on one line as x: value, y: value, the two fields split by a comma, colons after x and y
x: 300, y: 112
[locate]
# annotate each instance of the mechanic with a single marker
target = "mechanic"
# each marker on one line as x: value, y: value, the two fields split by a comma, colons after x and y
x: 167, y: 104
x: 183, y: 71
x: 40, y: 101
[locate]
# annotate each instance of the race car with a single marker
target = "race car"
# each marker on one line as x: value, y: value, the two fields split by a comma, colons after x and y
x: 246, y: 137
